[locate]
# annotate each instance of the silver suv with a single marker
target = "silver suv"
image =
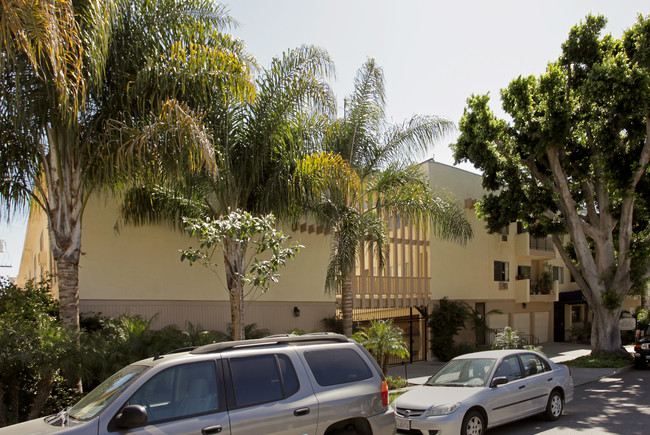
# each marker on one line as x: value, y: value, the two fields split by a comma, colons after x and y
x: 318, y: 383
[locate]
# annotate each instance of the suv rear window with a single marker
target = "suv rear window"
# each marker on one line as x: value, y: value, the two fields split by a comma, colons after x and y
x: 337, y: 366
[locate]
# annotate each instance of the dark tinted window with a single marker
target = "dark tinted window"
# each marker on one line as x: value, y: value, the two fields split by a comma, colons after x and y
x: 337, y: 366
x: 179, y: 391
x: 533, y: 364
x: 509, y: 368
x: 262, y: 378
x: 289, y: 378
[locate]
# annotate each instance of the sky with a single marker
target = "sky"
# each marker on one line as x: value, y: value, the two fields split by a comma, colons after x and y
x: 434, y: 54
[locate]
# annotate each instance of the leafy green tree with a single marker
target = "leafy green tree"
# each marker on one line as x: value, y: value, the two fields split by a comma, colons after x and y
x: 78, y: 78
x: 446, y: 320
x: 253, y: 251
x: 478, y: 320
x: 572, y: 163
x: 256, y: 147
x: 368, y: 174
x: 382, y: 339
x: 34, y: 349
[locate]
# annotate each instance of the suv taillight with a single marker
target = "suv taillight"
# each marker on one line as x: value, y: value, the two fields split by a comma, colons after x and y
x: 384, y: 393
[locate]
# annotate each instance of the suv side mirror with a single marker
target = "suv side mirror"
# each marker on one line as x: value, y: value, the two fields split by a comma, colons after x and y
x: 498, y: 381
x: 131, y: 416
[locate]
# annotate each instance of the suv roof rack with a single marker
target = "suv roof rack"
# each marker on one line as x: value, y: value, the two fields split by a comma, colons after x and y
x: 315, y: 337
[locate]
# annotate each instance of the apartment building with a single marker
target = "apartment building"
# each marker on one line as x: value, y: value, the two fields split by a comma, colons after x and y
x: 511, y: 278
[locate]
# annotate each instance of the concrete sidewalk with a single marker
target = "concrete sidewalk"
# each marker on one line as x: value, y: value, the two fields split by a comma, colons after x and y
x: 419, y: 372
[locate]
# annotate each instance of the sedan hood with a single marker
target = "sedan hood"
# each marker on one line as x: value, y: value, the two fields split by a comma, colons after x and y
x: 40, y: 427
x: 423, y: 397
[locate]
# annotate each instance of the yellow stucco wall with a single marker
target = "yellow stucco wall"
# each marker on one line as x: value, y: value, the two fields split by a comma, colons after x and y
x: 144, y: 263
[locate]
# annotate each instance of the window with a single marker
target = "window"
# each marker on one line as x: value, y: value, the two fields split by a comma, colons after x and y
x: 523, y: 272
x: 509, y: 368
x: 576, y: 314
x: 501, y: 271
x: 504, y: 230
x: 262, y: 378
x: 534, y: 364
x: 337, y: 366
x: 181, y: 391
x: 558, y: 274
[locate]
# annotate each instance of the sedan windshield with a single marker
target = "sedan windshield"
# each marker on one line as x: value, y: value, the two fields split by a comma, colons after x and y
x: 464, y: 373
x: 93, y: 403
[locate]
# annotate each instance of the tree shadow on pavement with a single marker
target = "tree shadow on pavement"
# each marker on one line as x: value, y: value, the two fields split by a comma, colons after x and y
x: 619, y: 404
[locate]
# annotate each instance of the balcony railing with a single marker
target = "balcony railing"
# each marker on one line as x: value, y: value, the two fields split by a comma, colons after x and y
x: 390, y: 292
x: 538, y: 244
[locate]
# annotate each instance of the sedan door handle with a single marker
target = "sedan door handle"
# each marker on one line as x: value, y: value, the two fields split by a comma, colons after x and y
x: 301, y: 411
x: 522, y: 387
x: 549, y: 379
x: 211, y: 429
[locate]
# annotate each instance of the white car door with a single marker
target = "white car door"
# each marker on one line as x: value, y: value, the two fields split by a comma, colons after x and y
x: 538, y: 387
x: 505, y: 402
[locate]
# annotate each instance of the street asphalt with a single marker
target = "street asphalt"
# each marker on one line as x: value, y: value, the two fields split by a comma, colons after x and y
x: 419, y: 372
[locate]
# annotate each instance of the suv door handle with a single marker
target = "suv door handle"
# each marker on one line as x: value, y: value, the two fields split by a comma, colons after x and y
x: 301, y: 411
x: 211, y: 430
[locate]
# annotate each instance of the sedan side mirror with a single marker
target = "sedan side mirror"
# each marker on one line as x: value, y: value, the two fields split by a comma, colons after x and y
x: 131, y: 416
x: 498, y: 381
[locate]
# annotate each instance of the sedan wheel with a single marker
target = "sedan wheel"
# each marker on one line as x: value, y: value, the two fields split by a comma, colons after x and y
x: 554, y: 407
x: 473, y: 424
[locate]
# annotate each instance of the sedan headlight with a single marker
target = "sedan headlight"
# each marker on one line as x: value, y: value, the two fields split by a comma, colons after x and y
x: 443, y: 409
x: 645, y: 346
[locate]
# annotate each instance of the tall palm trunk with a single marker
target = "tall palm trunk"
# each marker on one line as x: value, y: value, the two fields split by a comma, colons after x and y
x: 64, y: 202
x: 347, y: 306
x: 234, y: 259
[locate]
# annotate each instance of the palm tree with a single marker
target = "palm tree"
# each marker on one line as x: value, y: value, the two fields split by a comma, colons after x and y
x: 382, y: 339
x: 76, y: 77
x: 257, y: 146
x: 376, y: 177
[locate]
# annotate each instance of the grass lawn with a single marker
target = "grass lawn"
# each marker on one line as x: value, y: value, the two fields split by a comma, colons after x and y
x: 607, y: 360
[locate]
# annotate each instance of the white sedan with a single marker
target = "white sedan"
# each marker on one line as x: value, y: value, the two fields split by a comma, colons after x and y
x: 481, y: 390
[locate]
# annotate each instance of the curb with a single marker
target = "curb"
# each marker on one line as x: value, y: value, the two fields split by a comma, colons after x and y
x: 615, y: 371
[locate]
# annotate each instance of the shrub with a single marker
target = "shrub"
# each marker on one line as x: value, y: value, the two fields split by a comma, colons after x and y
x: 35, y: 349
x: 382, y: 339
x: 446, y: 320
x: 396, y: 382
x: 508, y: 339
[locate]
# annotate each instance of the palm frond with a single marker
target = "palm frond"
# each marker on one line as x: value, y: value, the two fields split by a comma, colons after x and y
x: 154, y: 205
x: 407, y: 194
x: 411, y: 139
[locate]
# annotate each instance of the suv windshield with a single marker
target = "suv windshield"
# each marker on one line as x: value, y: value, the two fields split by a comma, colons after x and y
x: 93, y: 403
x: 464, y: 373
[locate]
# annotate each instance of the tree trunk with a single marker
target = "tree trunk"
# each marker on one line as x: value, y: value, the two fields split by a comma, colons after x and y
x: 605, y: 332
x: 43, y: 389
x: 234, y: 260
x: 347, y: 306
x: 13, y: 401
x: 3, y: 408
x: 68, y: 280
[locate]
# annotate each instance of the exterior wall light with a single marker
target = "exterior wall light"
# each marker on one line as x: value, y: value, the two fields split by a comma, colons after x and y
x: 296, y: 312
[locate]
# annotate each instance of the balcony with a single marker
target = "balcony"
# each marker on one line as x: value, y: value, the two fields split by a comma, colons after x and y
x: 534, y: 248
x: 390, y: 292
x: 527, y: 290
